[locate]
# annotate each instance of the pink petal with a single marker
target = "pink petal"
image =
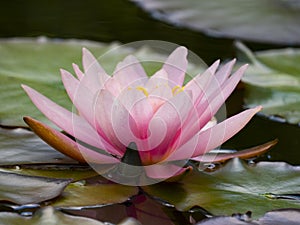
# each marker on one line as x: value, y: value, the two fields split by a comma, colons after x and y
x: 211, y: 103
x: 164, y: 171
x: 176, y: 66
x: 167, y: 120
x: 225, y: 71
x: 198, y: 84
x: 95, y: 76
x: 113, y: 120
x: 78, y: 72
x: 217, y: 99
x: 160, y: 78
x: 81, y: 96
x: 214, y: 136
x: 71, y: 84
x: 67, y: 121
x: 130, y: 73
x: 140, y: 109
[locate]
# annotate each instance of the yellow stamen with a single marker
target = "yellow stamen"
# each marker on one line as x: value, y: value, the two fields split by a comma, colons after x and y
x: 140, y: 88
x: 177, y: 89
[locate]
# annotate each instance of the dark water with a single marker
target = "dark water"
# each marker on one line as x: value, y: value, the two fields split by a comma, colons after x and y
x: 106, y: 21
x: 120, y: 20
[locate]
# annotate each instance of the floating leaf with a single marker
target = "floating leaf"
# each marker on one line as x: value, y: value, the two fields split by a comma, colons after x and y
x: 20, y: 146
x: 273, y: 81
x: 283, y: 216
x: 74, y: 172
x: 80, y: 195
x: 22, y: 189
x: 46, y: 216
x: 236, y: 187
x: 275, y: 21
x: 36, y: 62
x: 50, y: 216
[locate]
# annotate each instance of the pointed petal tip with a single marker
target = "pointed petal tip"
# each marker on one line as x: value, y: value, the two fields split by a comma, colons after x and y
x: 27, y: 89
x: 63, y: 72
x: 24, y: 86
x: 258, y: 108
x: 86, y: 53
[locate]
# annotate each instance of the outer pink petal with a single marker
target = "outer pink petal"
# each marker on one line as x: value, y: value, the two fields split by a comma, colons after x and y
x: 164, y: 171
x: 78, y: 72
x: 214, y: 136
x: 81, y: 97
x: 211, y: 103
x: 176, y: 66
x: 218, y: 98
x: 225, y: 71
x: 198, y: 84
x: 95, y: 76
x: 67, y: 121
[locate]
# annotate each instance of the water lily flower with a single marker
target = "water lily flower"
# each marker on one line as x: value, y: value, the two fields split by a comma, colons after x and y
x: 166, y: 120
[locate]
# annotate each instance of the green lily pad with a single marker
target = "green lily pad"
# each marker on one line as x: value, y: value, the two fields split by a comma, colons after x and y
x: 273, y: 81
x: 20, y: 146
x: 236, y: 187
x: 21, y: 189
x: 80, y: 195
x: 50, y: 216
x: 36, y: 62
x: 274, y: 21
x: 46, y: 216
x: 283, y: 216
x: 73, y: 172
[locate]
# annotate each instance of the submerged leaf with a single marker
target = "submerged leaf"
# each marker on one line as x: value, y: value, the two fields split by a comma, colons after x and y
x: 236, y: 187
x: 21, y: 189
x: 275, y: 21
x: 273, y: 81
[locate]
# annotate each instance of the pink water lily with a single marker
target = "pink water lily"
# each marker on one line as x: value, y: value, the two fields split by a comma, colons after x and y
x: 167, y: 120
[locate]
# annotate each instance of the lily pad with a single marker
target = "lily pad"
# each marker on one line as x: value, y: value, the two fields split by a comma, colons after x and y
x: 73, y: 172
x: 50, y: 216
x: 80, y: 195
x: 274, y: 21
x: 20, y: 146
x: 273, y: 81
x: 46, y: 216
x: 283, y: 216
x: 21, y: 189
x: 236, y: 187
x: 36, y: 62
